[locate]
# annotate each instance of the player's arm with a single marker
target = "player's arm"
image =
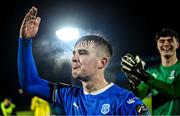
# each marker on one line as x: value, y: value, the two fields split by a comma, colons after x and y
x: 27, y: 73
x: 139, y: 88
x: 134, y: 66
x: 133, y: 105
x: 169, y: 90
x: 142, y: 90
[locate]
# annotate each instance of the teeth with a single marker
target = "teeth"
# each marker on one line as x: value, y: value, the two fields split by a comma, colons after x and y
x: 166, y: 48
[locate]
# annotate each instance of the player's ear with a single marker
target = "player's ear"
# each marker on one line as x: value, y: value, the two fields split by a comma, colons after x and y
x: 102, y: 63
x: 177, y: 44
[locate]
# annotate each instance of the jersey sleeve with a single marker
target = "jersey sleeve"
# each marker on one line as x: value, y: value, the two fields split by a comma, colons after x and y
x: 169, y: 90
x: 133, y: 106
x: 142, y: 90
x: 63, y: 95
x: 27, y: 72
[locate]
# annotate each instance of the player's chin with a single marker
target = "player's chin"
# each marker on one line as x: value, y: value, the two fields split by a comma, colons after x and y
x: 79, y: 76
x: 74, y: 75
x: 165, y: 53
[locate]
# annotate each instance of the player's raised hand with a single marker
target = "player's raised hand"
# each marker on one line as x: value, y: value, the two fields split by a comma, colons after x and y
x: 133, y: 66
x: 30, y: 24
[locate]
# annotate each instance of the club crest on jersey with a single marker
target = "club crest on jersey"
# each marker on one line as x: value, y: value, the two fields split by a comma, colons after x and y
x: 105, y: 108
x: 154, y: 75
x: 172, y: 75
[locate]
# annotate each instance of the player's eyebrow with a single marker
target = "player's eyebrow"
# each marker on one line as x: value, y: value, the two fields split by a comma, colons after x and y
x: 80, y: 51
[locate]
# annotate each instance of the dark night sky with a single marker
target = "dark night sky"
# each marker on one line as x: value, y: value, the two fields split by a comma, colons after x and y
x: 129, y: 25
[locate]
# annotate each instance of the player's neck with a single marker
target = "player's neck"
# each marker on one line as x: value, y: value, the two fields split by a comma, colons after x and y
x: 94, y: 85
x: 168, y: 60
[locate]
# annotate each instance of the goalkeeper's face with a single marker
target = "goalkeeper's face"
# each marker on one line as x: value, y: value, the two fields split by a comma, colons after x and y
x: 167, y: 46
x: 86, y: 62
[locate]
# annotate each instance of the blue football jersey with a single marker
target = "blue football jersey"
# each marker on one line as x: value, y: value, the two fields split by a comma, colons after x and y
x: 111, y: 100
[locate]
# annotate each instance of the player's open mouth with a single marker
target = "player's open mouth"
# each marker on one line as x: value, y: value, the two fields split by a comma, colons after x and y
x: 166, y: 48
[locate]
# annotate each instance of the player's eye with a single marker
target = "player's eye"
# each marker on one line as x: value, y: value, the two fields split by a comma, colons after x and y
x: 73, y: 53
x: 161, y: 41
x: 83, y: 52
x: 170, y: 40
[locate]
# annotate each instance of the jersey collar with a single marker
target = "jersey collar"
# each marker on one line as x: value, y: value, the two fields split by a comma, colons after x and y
x: 99, y: 91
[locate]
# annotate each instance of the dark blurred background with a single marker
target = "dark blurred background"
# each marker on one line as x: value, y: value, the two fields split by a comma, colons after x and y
x: 130, y: 25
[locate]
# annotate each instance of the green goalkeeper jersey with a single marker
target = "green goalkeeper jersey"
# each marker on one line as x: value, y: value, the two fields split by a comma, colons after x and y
x: 165, y: 88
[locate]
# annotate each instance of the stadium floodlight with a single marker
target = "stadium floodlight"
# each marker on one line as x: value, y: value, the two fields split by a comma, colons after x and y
x: 68, y: 34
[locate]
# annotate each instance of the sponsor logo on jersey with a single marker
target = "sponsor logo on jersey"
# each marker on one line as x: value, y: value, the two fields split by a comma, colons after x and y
x: 105, y: 108
x: 142, y: 109
x: 75, y: 105
x: 131, y: 100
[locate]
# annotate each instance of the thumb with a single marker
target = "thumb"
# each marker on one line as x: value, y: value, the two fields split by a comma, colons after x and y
x: 139, y: 60
x: 37, y: 21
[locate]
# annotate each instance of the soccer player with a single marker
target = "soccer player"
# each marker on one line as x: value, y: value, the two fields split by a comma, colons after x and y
x: 7, y: 107
x: 162, y: 80
x: 40, y: 107
x: 91, y: 56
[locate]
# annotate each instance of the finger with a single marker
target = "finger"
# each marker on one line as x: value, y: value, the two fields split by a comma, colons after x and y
x: 28, y: 16
x: 37, y: 21
x: 130, y: 55
x: 143, y: 64
x: 132, y: 77
x: 131, y: 82
x: 24, y: 20
x: 126, y: 63
x: 125, y: 60
x: 131, y: 58
x: 138, y: 59
x: 126, y: 69
x: 33, y: 13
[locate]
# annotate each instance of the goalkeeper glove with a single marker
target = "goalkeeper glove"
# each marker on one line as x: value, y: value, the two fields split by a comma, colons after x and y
x: 133, y: 81
x: 134, y: 66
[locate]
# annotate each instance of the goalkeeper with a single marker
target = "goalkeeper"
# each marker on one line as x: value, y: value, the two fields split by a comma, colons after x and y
x: 162, y: 80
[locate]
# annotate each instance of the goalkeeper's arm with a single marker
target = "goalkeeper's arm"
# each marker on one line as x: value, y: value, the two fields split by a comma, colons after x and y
x: 134, y: 66
x: 139, y: 88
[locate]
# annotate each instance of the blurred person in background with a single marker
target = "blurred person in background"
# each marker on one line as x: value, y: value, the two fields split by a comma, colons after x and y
x: 40, y: 107
x: 7, y: 107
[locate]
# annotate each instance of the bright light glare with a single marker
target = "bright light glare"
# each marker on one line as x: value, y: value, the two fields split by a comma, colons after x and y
x: 68, y: 34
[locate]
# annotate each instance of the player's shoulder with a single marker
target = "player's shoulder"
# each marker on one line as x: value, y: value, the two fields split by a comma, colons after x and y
x: 154, y: 68
x: 177, y: 65
x: 135, y: 105
x: 120, y: 93
x: 69, y: 89
x: 129, y: 103
x: 131, y: 99
x: 178, y: 62
x: 119, y: 90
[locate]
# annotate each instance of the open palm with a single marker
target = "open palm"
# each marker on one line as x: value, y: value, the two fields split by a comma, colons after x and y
x: 30, y: 24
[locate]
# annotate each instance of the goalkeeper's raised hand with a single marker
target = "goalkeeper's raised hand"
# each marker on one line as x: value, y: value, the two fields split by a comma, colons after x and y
x: 134, y: 66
